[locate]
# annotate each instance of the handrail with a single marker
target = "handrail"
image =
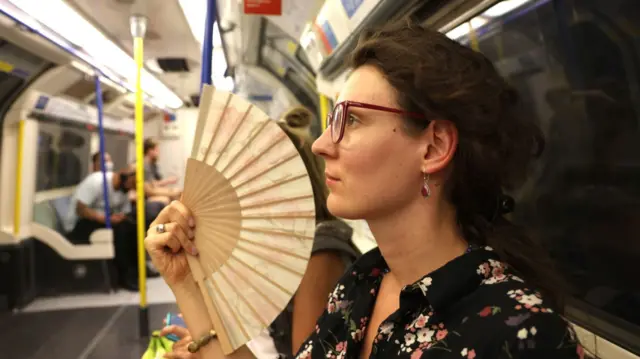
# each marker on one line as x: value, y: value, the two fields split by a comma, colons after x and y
x: 18, y: 190
x: 105, y: 186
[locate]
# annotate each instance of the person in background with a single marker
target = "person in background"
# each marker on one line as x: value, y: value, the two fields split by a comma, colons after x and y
x: 96, y: 160
x: 331, y: 255
x: 423, y: 142
x: 156, y: 192
x: 87, y: 214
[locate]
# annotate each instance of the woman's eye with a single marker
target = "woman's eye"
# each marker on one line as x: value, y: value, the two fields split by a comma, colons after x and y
x: 351, y: 119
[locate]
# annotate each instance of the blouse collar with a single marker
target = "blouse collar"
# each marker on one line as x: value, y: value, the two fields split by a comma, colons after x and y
x: 447, y: 284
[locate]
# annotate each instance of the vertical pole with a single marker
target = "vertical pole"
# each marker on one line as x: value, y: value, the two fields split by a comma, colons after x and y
x: 18, y: 190
x: 138, y: 30
x: 473, y: 37
x: 207, y: 45
x: 324, y: 111
x: 105, y: 186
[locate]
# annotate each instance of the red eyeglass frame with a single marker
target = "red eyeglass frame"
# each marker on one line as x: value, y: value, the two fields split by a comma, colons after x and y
x: 346, y: 104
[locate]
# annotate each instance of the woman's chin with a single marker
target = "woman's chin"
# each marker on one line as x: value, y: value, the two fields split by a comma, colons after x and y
x: 342, y: 208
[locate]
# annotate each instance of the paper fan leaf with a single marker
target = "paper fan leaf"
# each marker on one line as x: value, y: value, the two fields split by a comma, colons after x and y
x: 251, y: 196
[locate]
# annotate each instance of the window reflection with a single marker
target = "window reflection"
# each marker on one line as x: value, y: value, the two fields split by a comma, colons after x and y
x: 62, y: 156
x: 577, y: 66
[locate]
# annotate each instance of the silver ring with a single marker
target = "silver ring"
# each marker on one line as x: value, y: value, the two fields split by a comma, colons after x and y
x: 160, y: 228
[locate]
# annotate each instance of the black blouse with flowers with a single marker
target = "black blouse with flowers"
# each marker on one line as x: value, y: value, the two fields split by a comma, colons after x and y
x: 473, y: 307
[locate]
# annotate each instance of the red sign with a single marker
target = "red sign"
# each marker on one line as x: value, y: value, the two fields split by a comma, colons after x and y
x: 263, y: 7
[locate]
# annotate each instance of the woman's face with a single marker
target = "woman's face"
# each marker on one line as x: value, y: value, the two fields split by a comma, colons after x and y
x: 376, y: 168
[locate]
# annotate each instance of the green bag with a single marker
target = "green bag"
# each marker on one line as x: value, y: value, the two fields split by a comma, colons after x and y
x: 158, y: 346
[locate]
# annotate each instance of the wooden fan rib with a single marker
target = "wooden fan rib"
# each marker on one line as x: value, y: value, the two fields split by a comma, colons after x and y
x: 214, y: 315
x: 233, y: 134
x: 257, y: 255
x: 283, y: 215
x: 262, y: 126
x: 277, y: 140
x: 199, y: 183
x: 277, y: 233
x: 215, y: 131
x: 244, y: 300
x: 277, y: 285
x: 216, y: 293
x: 267, y: 169
x: 215, y: 195
x: 268, y: 187
x: 205, y: 104
x: 272, y: 248
x: 258, y: 290
x: 234, y: 239
x: 268, y: 203
x: 233, y: 312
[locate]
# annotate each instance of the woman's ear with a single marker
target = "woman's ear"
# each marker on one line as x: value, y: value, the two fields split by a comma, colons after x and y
x: 441, y: 142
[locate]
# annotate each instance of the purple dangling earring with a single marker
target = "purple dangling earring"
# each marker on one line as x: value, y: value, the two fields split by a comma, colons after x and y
x: 426, y: 191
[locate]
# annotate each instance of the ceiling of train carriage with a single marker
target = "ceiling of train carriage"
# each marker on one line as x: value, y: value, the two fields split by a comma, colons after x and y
x: 168, y: 37
x: 176, y: 27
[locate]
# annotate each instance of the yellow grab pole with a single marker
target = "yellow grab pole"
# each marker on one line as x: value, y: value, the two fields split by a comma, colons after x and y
x: 138, y: 29
x: 324, y: 104
x: 18, y: 190
x: 473, y: 36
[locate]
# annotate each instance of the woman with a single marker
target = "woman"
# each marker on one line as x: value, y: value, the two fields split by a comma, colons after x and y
x: 422, y: 141
x: 331, y: 255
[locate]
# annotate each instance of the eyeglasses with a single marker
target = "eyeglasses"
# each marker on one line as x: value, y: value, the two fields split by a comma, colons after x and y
x: 338, y: 118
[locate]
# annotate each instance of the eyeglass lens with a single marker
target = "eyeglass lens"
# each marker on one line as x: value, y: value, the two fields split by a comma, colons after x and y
x: 336, y: 122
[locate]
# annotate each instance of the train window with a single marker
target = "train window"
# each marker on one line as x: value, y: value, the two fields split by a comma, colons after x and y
x: 117, y: 145
x: 577, y: 67
x: 63, y: 155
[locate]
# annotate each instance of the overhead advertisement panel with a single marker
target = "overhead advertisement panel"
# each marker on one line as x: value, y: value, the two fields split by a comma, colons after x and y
x: 336, y: 20
x: 351, y: 6
x: 263, y: 7
x: 58, y: 108
x: 295, y: 15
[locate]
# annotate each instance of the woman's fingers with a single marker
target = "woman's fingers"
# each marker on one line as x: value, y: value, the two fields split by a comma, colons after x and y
x: 178, y: 331
x: 177, y: 220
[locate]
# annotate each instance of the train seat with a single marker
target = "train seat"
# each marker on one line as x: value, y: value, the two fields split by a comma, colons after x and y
x: 63, y: 267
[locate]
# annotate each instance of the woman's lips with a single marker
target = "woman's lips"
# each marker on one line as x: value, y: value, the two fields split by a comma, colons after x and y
x: 331, y: 179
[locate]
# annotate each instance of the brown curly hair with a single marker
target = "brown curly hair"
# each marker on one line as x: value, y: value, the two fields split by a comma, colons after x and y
x: 442, y: 79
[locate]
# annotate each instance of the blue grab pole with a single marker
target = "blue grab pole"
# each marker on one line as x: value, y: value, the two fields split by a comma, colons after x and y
x: 105, y: 187
x: 207, y: 46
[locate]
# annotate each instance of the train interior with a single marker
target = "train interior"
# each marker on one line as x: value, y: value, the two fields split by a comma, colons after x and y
x: 576, y: 64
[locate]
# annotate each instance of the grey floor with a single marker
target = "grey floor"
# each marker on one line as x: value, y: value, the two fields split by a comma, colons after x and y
x: 93, y: 326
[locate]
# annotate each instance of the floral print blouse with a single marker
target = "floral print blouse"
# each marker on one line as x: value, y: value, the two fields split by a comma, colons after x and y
x: 472, y: 307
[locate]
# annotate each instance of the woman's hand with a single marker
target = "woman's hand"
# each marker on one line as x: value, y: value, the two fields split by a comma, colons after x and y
x: 169, y: 239
x: 179, y: 350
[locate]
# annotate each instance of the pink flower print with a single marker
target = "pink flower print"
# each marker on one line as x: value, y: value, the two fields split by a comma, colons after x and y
x: 472, y: 354
x: 375, y: 272
x: 331, y: 308
x: 580, y: 351
x: 442, y: 334
x: 498, y: 272
x: 416, y: 354
x: 341, y: 346
x: 421, y: 321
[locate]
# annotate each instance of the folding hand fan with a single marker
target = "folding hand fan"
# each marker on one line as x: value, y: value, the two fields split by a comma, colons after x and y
x: 252, y: 200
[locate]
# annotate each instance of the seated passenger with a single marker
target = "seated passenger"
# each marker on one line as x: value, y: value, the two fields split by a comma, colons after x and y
x: 331, y: 255
x: 87, y: 214
x: 96, y: 162
x: 156, y: 191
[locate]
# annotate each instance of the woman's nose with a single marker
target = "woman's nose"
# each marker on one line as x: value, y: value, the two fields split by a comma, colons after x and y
x: 323, y: 146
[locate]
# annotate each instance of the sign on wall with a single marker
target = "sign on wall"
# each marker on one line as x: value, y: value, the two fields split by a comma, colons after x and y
x: 263, y: 7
